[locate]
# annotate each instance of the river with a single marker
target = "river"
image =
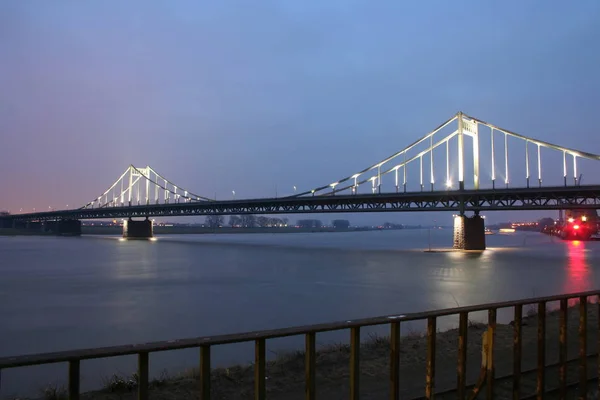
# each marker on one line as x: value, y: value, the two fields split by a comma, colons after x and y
x: 67, y: 293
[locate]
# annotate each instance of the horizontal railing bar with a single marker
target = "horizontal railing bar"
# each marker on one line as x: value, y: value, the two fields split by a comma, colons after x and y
x: 152, y: 347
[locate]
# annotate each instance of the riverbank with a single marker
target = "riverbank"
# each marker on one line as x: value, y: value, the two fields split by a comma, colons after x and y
x: 285, y: 375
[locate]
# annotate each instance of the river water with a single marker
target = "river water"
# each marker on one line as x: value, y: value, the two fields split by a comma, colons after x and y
x: 67, y: 293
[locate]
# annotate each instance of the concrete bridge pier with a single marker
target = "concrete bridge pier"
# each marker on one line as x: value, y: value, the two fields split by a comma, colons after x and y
x: 18, y: 225
x: 34, y: 226
x: 469, y: 232
x: 138, y: 229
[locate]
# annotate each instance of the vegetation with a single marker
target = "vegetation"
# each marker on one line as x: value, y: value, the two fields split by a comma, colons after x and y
x: 214, y: 221
x: 251, y: 221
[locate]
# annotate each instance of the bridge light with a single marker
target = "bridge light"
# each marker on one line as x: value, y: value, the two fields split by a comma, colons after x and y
x: 584, y: 218
x: 575, y: 227
x: 571, y: 220
x: 448, y: 183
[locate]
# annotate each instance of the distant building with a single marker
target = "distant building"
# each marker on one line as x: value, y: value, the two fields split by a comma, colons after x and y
x: 4, y: 213
x: 340, y: 223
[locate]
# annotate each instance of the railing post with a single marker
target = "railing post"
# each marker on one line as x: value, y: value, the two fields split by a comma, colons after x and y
x: 562, y: 338
x: 143, y: 375
x: 582, y: 347
x: 74, y: 380
x: 598, y: 360
x: 517, y: 344
x: 395, y: 361
x: 204, y: 372
x: 541, y: 350
x: 490, y: 358
x: 354, y: 363
x: 259, y: 370
x: 461, y: 369
x: 309, y: 366
x: 430, y: 372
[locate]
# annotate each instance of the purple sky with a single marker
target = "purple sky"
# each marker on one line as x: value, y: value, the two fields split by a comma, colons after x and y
x: 221, y: 96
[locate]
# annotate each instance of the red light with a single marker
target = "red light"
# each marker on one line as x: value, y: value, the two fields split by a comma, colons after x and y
x: 575, y: 227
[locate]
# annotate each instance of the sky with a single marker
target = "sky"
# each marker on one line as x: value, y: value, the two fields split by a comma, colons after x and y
x: 263, y: 96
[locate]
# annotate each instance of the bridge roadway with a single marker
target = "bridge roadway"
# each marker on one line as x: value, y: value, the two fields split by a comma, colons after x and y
x: 533, y: 198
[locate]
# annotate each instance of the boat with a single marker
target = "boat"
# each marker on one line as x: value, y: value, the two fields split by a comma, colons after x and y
x: 488, y: 231
x: 507, y: 230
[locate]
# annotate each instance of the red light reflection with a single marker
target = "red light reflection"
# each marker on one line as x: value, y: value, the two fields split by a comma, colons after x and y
x: 578, y: 271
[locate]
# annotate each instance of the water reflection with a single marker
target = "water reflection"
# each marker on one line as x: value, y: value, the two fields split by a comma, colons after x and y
x: 61, y: 294
x: 578, y: 276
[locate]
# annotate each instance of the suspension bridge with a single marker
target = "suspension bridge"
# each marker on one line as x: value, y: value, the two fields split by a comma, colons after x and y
x: 428, y: 175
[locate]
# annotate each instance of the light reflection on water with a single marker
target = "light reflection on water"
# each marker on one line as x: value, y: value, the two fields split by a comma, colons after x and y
x: 578, y: 270
x: 65, y: 293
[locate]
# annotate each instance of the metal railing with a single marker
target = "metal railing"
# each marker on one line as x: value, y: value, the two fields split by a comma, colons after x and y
x: 74, y: 358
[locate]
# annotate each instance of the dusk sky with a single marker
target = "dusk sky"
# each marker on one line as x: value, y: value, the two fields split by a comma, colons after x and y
x: 250, y: 96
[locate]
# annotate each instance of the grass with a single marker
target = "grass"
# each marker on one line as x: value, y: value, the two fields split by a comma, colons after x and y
x: 119, y: 383
x: 127, y: 383
x: 55, y: 392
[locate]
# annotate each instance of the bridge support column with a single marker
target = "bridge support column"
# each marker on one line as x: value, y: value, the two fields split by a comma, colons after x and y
x: 138, y: 229
x: 469, y: 233
x: 34, y: 226
x: 19, y: 225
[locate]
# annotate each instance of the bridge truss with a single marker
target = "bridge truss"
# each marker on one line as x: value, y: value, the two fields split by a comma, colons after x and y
x: 552, y: 198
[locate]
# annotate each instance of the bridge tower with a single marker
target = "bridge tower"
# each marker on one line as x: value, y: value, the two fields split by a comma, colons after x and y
x: 469, y: 232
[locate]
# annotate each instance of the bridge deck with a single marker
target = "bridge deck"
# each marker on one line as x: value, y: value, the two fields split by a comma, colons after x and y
x: 545, y: 198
